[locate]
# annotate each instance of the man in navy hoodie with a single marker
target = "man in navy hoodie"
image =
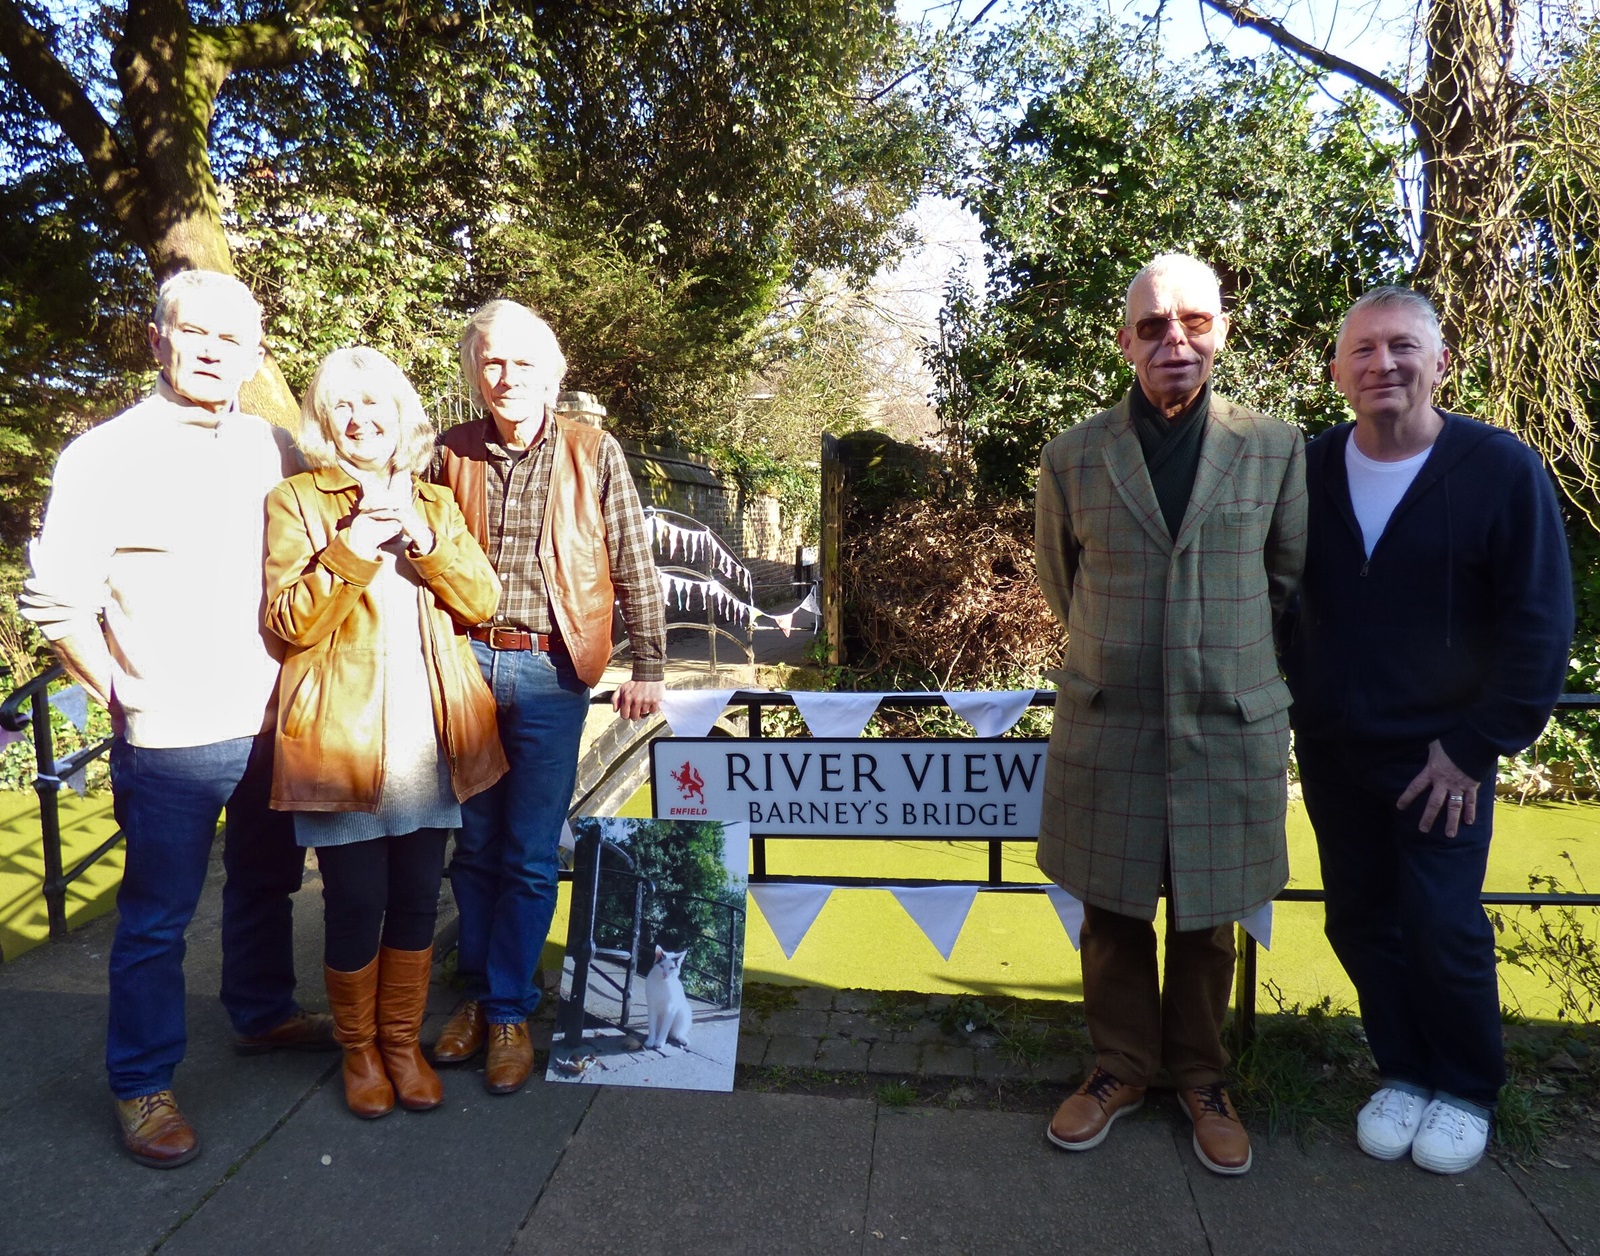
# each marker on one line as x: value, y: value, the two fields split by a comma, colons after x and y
x: 1432, y: 638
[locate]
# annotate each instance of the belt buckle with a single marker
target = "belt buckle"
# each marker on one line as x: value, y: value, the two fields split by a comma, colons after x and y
x: 497, y: 634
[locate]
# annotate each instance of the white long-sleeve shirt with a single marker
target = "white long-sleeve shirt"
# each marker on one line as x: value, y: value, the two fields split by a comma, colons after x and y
x: 152, y: 551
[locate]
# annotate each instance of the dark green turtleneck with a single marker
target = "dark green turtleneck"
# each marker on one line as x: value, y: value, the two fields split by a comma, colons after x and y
x: 1171, y: 450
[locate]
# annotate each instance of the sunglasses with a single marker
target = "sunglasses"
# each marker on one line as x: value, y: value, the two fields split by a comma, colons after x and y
x: 1155, y: 327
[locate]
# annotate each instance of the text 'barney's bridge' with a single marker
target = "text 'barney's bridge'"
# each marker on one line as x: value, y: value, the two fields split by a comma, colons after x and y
x: 869, y: 787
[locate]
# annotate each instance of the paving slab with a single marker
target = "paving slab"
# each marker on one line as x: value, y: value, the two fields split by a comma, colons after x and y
x: 1330, y: 1197
x: 70, y: 1189
x: 971, y: 1181
x: 459, y: 1179
x: 670, y: 1172
x: 1568, y: 1199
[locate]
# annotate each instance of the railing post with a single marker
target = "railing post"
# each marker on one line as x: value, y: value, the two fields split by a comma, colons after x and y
x: 1244, y: 988
x: 585, y: 899
x: 48, y: 786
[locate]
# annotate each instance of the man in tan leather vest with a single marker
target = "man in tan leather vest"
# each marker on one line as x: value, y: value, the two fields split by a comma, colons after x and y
x: 554, y: 507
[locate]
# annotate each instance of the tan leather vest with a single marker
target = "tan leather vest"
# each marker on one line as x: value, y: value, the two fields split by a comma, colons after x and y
x: 573, y: 555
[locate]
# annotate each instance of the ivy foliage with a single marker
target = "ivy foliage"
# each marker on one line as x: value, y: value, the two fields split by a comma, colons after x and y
x: 1097, y: 157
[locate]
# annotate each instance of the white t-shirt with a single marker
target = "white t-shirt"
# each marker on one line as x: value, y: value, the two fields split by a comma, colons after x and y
x: 154, y: 536
x: 1377, y: 487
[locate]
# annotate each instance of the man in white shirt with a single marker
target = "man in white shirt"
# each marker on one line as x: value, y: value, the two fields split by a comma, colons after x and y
x: 147, y: 581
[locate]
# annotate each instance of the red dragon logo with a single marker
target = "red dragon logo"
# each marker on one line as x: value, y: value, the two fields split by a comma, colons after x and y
x: 689, y: 782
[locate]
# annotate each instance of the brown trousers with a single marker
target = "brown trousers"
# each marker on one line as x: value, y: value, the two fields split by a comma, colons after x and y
x: 1139, y: 1028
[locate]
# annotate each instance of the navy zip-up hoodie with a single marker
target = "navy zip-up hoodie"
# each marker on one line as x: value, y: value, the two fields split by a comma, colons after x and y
x: 1458, y: 627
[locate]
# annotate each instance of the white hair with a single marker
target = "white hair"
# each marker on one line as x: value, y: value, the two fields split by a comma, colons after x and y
x: 546, y: 347
x: 1190, y: 271
x: 1396, y: 296
x: 190, y: 282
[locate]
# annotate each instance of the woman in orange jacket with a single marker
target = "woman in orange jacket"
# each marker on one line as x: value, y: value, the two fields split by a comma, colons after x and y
x: 385, y: 724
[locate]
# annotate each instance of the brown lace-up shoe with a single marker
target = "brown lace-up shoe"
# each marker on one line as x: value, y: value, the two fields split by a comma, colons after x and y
x: 1084, y: 1120
x: 1220, y: 1140
x: 304, y: 1031
x: 462, y: 1036
x: 155, y: 1133
x: 510, y: 1058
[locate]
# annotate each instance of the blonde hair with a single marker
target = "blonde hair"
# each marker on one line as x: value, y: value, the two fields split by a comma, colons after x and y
x: 546, y: 346
x: 346, y: 370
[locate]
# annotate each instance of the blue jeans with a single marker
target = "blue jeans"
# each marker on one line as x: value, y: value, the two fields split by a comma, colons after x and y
x: 168, y: 802
x: 504, y: 869
x: 1405, y: 919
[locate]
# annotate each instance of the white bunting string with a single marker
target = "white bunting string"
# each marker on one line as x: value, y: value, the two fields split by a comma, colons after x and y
x: 938, y: 910
x: 990, y: 714
x: 1258, y: 924
x: 790, y: 911
x: 696, y: 544
x: 836, y: 714
x: 1070, y: 910
x: 692, y: 712
x: 73, y: 702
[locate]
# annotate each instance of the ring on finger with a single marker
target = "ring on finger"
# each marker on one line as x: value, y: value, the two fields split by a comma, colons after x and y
x: 1457, y: 799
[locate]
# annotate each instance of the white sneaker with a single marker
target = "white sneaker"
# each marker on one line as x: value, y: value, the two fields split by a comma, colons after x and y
x: 1451, y: 1139
x: 1386, y: 1127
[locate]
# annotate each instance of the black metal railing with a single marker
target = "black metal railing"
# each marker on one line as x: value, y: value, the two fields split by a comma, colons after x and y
x: 30, y: 706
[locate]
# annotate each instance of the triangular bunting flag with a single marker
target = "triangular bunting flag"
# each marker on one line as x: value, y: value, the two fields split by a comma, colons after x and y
x: 566, y: 841
x: 939, y: 911
x: 785, y: 622
x: 990, y: 714
x: 836, y: 714
x: 74, y: 704
x: 692, y: 712
x: 78, y: 782
x: 7, y: 736
x: 1258, y: 924
x: 790, y: 910
x: 1070, y: 910
x: 810, y: 603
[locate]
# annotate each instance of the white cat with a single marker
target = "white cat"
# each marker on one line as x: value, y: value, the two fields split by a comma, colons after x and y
x: 669, y: 1018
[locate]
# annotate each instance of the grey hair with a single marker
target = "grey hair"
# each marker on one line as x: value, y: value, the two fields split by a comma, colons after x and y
x: 366, y: 369
x: 1180, y: 265
x: 546, y: 345
x: 186, y: 282
x: 1396, y: 296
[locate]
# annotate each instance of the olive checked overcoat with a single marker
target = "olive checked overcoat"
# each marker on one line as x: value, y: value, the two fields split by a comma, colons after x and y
x: 1171, y: 727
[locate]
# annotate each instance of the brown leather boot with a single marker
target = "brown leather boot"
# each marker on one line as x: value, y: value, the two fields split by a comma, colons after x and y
x: 353, y: 1000
x: 403, y: 978
x: 462, y: 1036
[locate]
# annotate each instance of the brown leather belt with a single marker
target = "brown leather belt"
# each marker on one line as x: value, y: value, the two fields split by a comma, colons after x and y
x: 511, y: 639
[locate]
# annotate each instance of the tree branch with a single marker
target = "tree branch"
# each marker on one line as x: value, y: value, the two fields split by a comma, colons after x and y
x: 37, y: 70
x: 272, y: 43
x: 1242, y: 14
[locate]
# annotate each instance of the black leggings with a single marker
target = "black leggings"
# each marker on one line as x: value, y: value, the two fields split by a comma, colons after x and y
x: 384, y: 889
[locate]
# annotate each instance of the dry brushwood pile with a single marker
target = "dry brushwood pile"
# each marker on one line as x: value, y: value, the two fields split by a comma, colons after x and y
x: 950, y: 589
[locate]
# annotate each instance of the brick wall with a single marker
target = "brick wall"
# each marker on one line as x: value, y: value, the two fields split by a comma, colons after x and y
x: 674, y: 480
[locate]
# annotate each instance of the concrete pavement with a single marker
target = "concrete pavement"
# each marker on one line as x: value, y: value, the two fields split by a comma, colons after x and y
x: 595, y: 1169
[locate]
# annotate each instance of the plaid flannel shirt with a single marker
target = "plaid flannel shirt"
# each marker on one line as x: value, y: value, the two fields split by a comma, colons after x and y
x: 517, y: 483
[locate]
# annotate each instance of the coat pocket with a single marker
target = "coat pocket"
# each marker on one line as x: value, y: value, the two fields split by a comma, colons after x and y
x: 303, y: 704
x: 1080, y: 690
x: 1264, y: 700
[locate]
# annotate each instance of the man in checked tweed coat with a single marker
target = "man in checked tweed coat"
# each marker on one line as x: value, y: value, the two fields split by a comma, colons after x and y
x: 1170, y: 533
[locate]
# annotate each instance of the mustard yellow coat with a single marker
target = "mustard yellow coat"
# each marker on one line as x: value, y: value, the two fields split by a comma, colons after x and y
x: 330, y: 696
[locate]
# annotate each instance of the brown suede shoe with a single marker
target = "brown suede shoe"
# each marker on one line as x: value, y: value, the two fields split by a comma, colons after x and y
x: 510, y: 1058
x: 1084, y: 1120
x: 1220, y: 1140
x: 155, y: 1133
x: 462, y: 1037
x: 304, y: 1031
